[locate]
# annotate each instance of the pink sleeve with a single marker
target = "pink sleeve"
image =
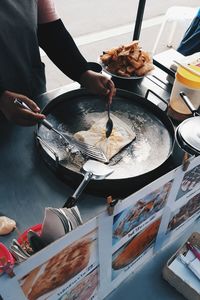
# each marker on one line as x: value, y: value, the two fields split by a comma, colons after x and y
x: 46, y: 11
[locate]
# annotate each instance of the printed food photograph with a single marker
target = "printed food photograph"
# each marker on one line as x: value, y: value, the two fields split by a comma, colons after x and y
x: 127, y: 61
x: 85, y: 289
x: 135, y: 247
x: 190, y: 180
x: 185, y: 212
x: 42, y: 282
x: 133, y: 216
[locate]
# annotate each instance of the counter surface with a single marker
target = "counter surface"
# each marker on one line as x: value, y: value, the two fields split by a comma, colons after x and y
x: 27, y: 186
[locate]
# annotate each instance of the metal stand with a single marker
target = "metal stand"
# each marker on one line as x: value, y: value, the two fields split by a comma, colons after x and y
x: 137, y: 30
x: 139, y: 18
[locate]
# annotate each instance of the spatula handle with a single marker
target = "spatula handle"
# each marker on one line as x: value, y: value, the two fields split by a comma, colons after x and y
x: 71, y: 201
x: 44, y: 122
x: 47, y: 124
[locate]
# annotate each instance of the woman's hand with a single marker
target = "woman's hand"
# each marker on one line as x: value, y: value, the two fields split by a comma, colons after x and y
x: 15, y: 113
x: 98, y: 84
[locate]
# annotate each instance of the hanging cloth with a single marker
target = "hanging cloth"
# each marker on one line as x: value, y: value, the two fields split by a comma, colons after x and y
x: 190, y: 43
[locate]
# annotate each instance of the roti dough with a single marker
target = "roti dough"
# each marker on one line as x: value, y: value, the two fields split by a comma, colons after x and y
x: 121, y: 136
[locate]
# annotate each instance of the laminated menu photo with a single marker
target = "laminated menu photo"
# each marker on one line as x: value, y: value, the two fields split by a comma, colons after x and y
x: 185, y: 213
x: 72, y: 264
x: 130, y: 220
x: 62, y: 270
x: 190, y: 182
x: 127, y: 255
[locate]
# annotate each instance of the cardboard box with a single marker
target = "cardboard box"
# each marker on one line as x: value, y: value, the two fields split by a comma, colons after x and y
x: 177, y: 282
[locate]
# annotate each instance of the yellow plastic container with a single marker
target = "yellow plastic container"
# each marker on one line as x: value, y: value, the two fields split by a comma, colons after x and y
x: 189, y: 83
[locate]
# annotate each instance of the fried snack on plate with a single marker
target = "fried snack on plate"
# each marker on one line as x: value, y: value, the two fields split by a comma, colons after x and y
x: 127, y: 60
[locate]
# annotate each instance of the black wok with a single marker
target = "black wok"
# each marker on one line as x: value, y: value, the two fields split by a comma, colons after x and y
x: 139, y: 163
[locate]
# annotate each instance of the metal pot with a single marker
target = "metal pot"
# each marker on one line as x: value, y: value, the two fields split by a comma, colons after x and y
x: 188, y: 132
x: 136, y: 165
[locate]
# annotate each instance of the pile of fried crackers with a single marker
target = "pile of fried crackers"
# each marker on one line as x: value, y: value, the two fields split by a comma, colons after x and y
x: 127, y: 60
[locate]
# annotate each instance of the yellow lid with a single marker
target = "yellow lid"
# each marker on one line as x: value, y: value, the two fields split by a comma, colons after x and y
x: 187, y: 78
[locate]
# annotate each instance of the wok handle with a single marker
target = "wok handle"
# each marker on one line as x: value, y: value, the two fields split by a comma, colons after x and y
x: 188, y: 103
x: 40, y: 140
x: 152, y: 92
x: 71, y: 201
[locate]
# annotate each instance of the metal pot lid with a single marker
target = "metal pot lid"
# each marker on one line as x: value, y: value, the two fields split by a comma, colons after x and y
x: 189, y: 131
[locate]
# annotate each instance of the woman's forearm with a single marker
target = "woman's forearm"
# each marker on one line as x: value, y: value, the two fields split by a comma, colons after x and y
x: 58, y: 44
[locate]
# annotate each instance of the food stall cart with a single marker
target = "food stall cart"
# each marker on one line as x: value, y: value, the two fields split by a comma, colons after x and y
x: 29, y: 184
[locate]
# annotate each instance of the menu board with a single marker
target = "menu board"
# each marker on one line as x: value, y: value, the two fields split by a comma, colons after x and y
x: 183, y: 205
x: 132, y: 232
x: 93, y: 259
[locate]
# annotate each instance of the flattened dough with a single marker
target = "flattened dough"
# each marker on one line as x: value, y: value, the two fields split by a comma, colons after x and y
x: 121, y: 136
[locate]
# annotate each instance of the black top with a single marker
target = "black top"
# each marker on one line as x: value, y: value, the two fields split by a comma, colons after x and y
x: 21, y: 68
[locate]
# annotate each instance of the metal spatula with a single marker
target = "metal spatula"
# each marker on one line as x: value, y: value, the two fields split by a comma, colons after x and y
x: 91, y: 170
x: 88, y: 150
x: 109, y: 123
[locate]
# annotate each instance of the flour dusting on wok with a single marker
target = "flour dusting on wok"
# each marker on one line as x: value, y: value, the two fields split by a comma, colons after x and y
x: 121, y: 136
